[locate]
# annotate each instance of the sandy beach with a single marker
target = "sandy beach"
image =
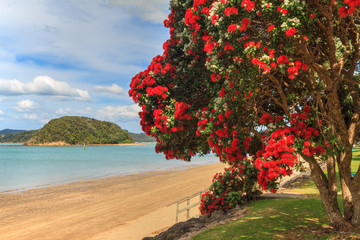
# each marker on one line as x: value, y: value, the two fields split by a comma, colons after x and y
x: 123, y: 207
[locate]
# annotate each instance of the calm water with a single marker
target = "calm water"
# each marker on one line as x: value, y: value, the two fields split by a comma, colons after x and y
x: 31, y: 167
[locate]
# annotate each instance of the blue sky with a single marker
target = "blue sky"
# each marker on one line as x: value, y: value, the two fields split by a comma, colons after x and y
x: 75, y: 58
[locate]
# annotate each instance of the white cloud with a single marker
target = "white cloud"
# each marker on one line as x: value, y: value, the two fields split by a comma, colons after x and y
x: 63, y: 111
x: 83, y: 34
x: 2, y: 112
x: 26, y: 105
x: 154, y: 11
x: 44, y: 121
x: 69, y: 111
x: 120, y: 112
x: 9, y: 87
x: 81, y: 44
x: 43, y: 85
x: 32, y: 116
x: 114, y: 89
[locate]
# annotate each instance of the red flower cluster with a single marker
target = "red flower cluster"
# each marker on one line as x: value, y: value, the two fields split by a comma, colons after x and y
x: 230, y: 11
x: 244, y: 24
x: 294, y: 70
x: 232, y: 28
x: 192, y: 19
x: 242, y: 49
x: 210, y: 202
x: 232, y: 187
x: 180, y: 108
x: 276, y: 159
x: 158, y: 90
x: 198, y: 3
x: 210, y: 44
x: 266, y: 118
x: 352, y: 6
x: 278, y: 155
x: 248, y: 5
x: 271, y: 27
x: 291, y: 32
x: 282, y: 59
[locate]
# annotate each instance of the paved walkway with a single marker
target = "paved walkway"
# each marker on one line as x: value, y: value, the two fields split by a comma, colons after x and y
x: 282, y: 195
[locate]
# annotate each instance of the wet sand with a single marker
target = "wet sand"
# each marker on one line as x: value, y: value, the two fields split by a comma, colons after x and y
x: 123, y: 207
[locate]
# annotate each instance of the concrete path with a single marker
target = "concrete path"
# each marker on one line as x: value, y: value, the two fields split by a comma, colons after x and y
x: 282, y: 195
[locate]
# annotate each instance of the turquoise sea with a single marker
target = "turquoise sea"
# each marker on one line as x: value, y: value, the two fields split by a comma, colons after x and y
x: 24, y: 167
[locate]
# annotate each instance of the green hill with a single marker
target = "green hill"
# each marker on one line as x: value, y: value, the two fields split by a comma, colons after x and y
x: 22, y: 136
x: 141, y: 137
x: 7, y: 131
x: 80, y: 130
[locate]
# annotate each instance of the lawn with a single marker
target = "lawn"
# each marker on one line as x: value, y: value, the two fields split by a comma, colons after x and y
x: 283, y: 218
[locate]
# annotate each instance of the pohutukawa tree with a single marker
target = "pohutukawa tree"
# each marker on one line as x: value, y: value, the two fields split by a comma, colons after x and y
x: 272, y: 79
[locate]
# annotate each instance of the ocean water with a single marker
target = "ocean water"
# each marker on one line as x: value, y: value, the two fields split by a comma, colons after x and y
x: 24, y: 167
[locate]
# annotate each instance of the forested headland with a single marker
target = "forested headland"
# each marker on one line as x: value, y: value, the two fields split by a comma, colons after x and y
x: 73, y: 130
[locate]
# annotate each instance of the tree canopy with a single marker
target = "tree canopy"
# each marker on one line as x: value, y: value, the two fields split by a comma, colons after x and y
x: 80, y: 130
x: 18, y: 136
x: 276, y: 80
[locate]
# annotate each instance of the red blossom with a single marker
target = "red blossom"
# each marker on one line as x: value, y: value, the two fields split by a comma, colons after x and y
x: 320, y: 150
x: 291, y: 32
x: 229, y: 11
x: 343, y: 11
x: 282, y: 59
x: 271, y: 27
x: 266, y: 118
x: 214, y: 18
x: 245, y: 24
x: 248, y: 5
x: 232, y: 28
x: 222, y: 93
x: 278, y: 119
x: 284, y: 11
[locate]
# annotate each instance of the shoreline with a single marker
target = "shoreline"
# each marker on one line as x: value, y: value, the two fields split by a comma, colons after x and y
x: 108, y: 176
x: 104, y: 208
x: 69, y: 145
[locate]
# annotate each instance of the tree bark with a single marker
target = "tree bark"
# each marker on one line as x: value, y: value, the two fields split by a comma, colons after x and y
x: 347, y: 199
x: 355, y: 220
x: 328, y: 192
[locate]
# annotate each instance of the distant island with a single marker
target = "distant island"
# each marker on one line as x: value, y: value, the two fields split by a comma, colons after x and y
x: 73, y: 130
x: 141, y: 137
x: 22, y: 136
x: 9, y: 131
x: 16, y: 136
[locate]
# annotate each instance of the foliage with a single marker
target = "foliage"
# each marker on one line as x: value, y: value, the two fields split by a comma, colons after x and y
x: 274, y: 219
x: 283, y: 218
x: 233, y: 187
x: 268, y: 79
x: 80, y: 130
x: 141, y: 137
x: 211, y: 202
x: 6, y: 131
x: 17, y: 137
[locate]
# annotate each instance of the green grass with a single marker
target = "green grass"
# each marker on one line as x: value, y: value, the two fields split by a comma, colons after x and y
x: 272, y: 219
x: 356, y: 161
x: 281, y: 218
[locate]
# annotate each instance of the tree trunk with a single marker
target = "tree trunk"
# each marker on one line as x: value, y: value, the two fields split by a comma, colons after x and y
x: 328, y: 192
x: 355, y: 220
x: 347, y: 199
